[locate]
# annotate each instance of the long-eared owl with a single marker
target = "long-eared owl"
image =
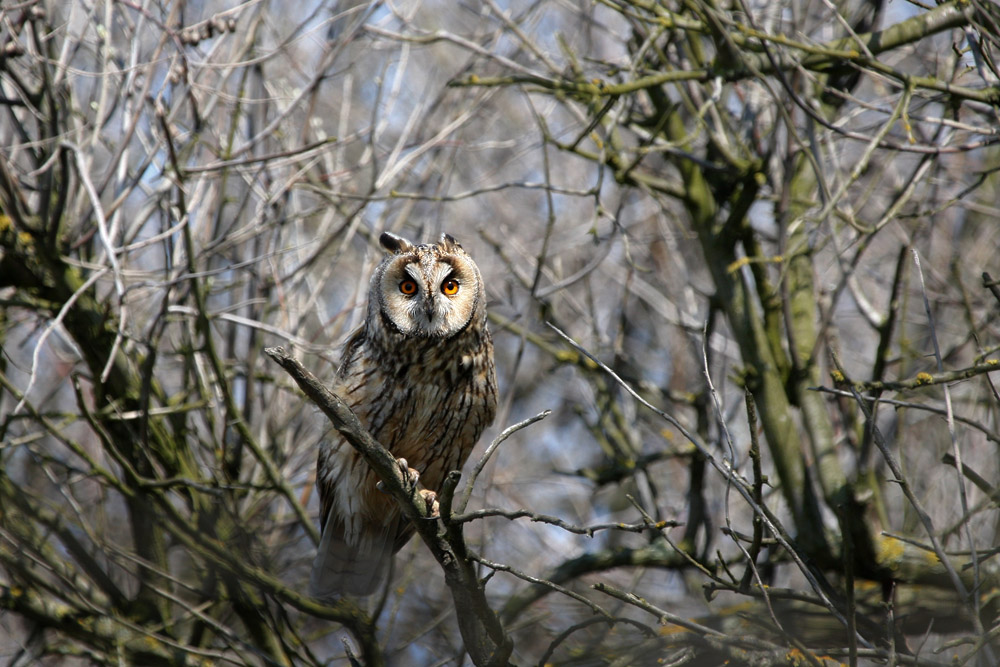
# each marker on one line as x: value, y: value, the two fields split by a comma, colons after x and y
x: 419, y: 374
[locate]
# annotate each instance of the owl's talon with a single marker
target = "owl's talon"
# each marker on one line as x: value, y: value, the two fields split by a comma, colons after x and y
x: 410, y: 475
x: 433, y: 507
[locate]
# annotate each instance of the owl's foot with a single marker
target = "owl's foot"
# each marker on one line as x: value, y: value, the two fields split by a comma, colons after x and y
x: 411, y: 477
x: 431, y: 499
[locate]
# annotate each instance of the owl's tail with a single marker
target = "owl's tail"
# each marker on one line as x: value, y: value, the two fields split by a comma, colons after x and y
x: 352, y: 568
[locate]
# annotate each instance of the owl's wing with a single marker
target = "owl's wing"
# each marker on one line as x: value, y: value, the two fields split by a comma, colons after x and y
x: 355, y: 569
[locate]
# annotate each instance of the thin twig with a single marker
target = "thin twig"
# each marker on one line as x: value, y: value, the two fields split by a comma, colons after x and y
x: 484, y: 459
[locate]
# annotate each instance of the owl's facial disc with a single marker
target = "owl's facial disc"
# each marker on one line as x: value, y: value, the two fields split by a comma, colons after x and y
x: 428, y: 298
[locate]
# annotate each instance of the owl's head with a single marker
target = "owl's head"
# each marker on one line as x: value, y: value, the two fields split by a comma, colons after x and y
x: 427, y: 290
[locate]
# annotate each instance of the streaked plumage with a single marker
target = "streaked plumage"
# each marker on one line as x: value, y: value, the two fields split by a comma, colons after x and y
x: 419, y: 374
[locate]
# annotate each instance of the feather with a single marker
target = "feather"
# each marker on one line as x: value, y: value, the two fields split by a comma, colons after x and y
x: 353, y: 568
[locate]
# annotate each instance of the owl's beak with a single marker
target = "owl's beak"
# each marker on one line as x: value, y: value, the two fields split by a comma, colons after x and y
x: 429, y: 309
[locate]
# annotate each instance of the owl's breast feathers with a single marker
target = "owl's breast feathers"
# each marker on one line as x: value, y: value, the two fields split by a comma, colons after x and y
x: 430, y: 412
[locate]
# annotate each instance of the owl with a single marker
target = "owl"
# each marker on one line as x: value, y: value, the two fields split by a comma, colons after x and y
x: 419, y: 374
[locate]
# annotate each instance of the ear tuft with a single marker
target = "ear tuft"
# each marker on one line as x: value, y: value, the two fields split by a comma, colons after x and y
x: 448, y: 243
x: 394, y: 244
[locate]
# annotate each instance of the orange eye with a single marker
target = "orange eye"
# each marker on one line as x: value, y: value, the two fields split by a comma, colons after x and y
x: 408, y: 287
x: 449, y: 287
